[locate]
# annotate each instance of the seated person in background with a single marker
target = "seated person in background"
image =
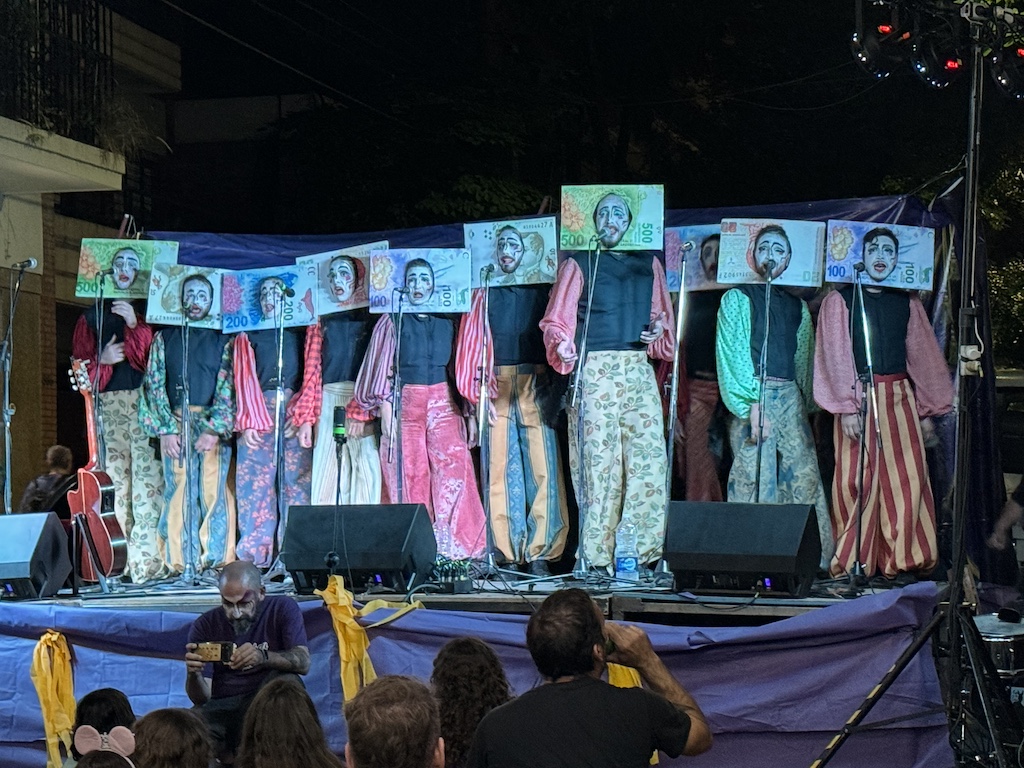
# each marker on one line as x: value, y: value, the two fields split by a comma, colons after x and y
x: 38, y: 496
x: 270, y: 641
x: 172, y: 738
x: 575, y: 718
x: 468, y: 682
x: 393, y: 723
x: 103, y: 709
x: 283, y: 730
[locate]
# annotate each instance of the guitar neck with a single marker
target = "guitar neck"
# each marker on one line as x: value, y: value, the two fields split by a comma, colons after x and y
x: 95, y: 461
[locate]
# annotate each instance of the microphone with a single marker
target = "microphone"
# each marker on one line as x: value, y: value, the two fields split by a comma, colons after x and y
x: 26, y: 264
x: 603, y: 233
x: 339, y: 425
x: 489, y: 269
x: 288, y: 292
x: 104, y: 273
x: 403, y: 289
x: 859, y: 267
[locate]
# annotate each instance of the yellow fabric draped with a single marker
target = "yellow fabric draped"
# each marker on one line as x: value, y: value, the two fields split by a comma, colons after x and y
x: 51, y: 676
x: 626, y: 677
x: 353, y: 642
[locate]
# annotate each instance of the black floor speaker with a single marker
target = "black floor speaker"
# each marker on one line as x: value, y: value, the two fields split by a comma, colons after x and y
x: 34, y: 558
x: 383, y: 546
x: 725, y: 548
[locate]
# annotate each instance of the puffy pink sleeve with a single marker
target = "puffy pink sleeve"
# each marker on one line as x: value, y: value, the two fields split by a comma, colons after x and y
x: 665, y: 347
x: 933, y: 386
x: 250, y: 409
x: 83, y: 347
x: 474, y: 338
x: 373, y: 384
x: 559, y: 321
x: 836, y: 386
x: 304, y: 407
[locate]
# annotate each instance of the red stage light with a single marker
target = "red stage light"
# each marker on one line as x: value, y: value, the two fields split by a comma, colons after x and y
x: 885, y: 29
x: 952, y: 65
x: 1020, y: 52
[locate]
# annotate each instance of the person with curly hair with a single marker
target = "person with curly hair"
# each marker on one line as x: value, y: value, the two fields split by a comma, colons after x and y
x: 172, y: 738
x: 468, y: 682
x: 282, y: 730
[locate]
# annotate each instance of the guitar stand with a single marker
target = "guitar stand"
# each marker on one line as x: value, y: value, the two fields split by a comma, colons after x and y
x: 80, y: 532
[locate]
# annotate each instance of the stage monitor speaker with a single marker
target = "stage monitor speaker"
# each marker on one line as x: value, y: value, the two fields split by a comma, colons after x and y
x: 34, y: 558
x: 764, y: 549
x: 388, y: 546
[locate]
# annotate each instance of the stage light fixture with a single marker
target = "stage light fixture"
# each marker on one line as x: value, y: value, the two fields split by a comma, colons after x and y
x: 936, y: 58
x: 880, y: 49
x: 1007, y: 67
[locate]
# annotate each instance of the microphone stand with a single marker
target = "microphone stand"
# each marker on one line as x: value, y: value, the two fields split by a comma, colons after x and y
x: 282, y: 509
x: 6, y: 355
x: 582, y: 568
x: 673, y: 406
x: 189, y: 573
x: 762, y: 379
x: 868, y: 404
x: 490, y: 565
x: 395, y: 446
x: 97, y: 409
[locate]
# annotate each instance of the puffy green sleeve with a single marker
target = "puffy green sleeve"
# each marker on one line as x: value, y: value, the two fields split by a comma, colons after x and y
x: 220, y: 417
x: 736, y: 379
x: 155, y: 415
x: 805, y: 358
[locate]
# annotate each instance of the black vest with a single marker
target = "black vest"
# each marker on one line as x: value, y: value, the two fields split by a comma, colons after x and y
x: 427, y: 345
x: 122, y: 376
x: 264, y: 347
x: 784, y: 319
x: 205, y: 350
x: 699, y: 333
x: 346, y: 335
x: 514, y: 314
x: 888, y: 314
x: 622, y: 299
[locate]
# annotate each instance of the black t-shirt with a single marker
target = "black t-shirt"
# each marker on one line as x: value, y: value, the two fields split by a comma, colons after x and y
x: 583, y: 722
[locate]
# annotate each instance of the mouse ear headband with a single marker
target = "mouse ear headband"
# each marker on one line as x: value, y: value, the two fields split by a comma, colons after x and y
x: 119, y: 740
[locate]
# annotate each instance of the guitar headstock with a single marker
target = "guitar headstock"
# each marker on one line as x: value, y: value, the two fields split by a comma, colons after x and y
x: 79, y: 373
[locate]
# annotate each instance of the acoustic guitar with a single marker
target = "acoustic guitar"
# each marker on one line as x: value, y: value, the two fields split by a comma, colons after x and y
x: 93, y: 500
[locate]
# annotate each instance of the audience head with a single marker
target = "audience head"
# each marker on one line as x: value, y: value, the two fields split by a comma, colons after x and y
x: 104, y: 709
x: 172, y: 738
x: 110, y: 750
x: 468, y: 682
x: 393, y: 723
x: 105, y: 758
x: 59, y: 459
x: 282, y: 729
x: 565, y: 635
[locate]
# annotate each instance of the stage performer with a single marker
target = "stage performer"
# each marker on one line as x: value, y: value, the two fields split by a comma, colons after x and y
x: 437, y: 468
x: 701, y: 466
x: 256, y: 383
x: 575, y: 717
x: 116, y: 370
x: 335, y: 347
x: 912, y: 384
x: 789, y: 464
x: 621, y: 474
x: 1009, y: 517
x: 528, y: 516
x: 211, y: 413
x: 269, y: 641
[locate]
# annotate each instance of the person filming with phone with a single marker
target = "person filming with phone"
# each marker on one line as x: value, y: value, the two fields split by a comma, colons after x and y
x: 248, y: 641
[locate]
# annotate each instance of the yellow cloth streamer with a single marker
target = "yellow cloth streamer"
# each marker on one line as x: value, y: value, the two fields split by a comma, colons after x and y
x: 626, y: 677
x: 353, y: 643
x: 51, y: 676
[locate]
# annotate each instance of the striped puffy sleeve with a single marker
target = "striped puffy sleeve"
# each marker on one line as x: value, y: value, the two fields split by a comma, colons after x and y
x: 373, y: 384
x: 474, y: 341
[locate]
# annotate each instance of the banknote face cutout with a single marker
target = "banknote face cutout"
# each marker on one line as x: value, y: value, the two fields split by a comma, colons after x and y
x: 196, y: 297
x: 709, y: 256
x: 126, y: 264
x: 419, y: 281
x: 270, y: 292
x: 509, y: 249
x: 881, y: 253
x: 612, y: 218
x: 342, y: 278
x: 772, y: 245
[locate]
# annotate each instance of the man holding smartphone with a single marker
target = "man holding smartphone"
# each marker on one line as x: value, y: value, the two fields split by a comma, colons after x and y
x: 260, y: 638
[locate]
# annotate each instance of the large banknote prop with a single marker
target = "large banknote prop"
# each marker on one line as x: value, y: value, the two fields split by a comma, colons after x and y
x: 341, y: 277
x: 519, y: 252
x: 912, y: 247
x: 177, y: 290
x: 802, y: 267
x: 421, y: 280
x: 698, y: 247
x: 261, y: 299
x: 618, y: 216
x: 127, y: 262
